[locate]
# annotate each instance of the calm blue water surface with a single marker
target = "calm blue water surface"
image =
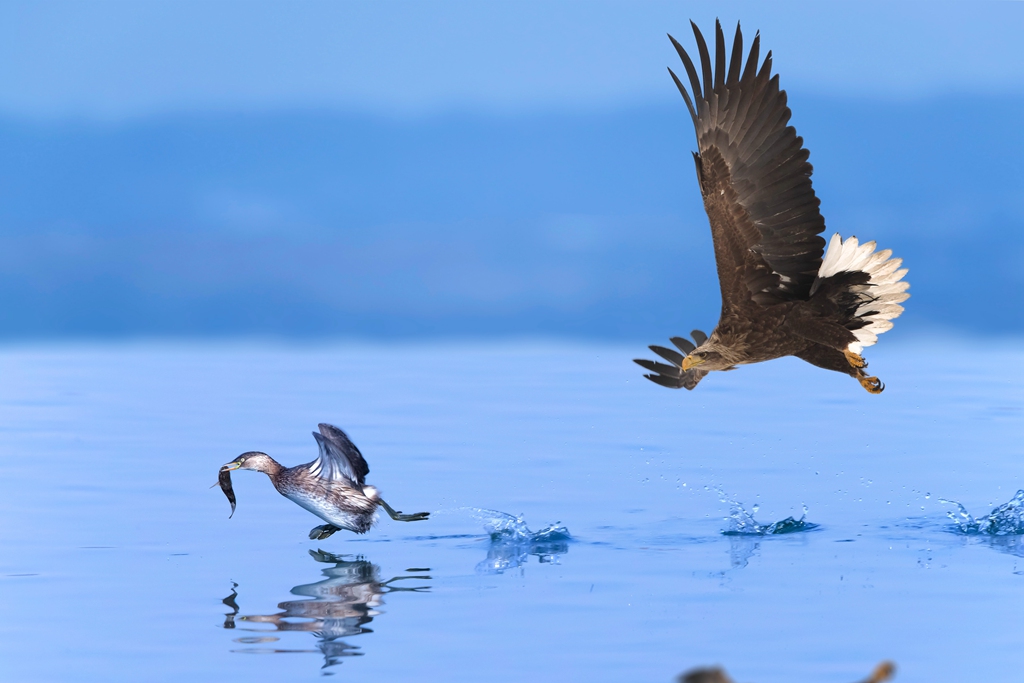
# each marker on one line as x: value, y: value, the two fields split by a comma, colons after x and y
x: 120, y: 562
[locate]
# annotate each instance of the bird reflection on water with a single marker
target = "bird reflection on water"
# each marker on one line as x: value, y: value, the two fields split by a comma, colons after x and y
x: 339, y: 606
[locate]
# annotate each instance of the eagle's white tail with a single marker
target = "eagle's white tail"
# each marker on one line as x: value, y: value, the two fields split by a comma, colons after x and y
x: 878, y: 300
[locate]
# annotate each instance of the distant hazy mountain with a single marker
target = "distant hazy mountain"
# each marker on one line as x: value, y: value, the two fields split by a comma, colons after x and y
x: 584, y: 224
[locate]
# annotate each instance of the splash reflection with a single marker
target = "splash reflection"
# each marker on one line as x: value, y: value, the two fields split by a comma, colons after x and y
x: 340, y: 606
x: 741, y: 549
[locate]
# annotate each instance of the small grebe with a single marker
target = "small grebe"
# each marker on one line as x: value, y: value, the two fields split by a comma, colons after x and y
x: 331, y: 487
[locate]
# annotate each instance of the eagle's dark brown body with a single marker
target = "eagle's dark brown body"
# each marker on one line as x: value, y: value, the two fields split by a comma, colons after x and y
x: 748, y: 339
x: 782, y: 293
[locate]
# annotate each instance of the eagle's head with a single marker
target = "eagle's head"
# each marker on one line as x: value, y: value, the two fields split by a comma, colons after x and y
x: 707, y: 357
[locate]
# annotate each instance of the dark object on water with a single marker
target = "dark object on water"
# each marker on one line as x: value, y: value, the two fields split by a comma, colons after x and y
x: 332, y: 487
x: 224, y: 479
x: 713, y: 675
x: 782, y: 293
x: 883, y: 672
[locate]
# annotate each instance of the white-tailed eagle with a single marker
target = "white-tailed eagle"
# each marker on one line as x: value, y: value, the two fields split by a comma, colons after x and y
x: 783, y: 293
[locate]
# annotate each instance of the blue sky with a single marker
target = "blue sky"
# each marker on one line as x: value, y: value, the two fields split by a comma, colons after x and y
x: 382, y: 169
x: 140, y: 58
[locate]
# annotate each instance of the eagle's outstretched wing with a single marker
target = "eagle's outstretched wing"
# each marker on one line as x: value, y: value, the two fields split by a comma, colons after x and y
x: 754, y: 176
x: 339, y: 459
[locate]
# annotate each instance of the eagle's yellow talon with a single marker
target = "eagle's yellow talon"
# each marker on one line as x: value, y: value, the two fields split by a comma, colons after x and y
x: 855, y: 360
x: 872, y: 384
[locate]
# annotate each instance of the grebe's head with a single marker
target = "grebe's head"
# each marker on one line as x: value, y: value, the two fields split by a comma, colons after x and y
x: 253, y: 460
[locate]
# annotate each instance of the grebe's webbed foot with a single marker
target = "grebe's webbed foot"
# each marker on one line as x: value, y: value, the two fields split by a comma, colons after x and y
x: 399, y: 517
x: 319, y: 533
x: 414, y: 517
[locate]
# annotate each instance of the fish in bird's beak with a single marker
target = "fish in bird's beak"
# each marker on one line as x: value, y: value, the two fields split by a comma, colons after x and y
x: 224, y: 479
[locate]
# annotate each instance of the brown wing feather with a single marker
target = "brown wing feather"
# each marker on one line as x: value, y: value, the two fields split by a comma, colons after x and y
x: 754, y: 176
x: 673, y: 376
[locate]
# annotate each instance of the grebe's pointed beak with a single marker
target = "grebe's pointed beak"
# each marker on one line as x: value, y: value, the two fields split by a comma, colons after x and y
x: 231, y: 466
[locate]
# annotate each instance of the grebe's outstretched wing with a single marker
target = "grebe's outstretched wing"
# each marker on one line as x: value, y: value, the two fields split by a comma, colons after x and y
x: 339, y: 458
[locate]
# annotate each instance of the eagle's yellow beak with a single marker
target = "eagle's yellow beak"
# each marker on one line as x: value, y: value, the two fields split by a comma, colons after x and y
x: 691, y: 362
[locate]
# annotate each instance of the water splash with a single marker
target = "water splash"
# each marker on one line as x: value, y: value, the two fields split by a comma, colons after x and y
x: 512, y: 542
x: 1004, y: 520
x: 742, y: 523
